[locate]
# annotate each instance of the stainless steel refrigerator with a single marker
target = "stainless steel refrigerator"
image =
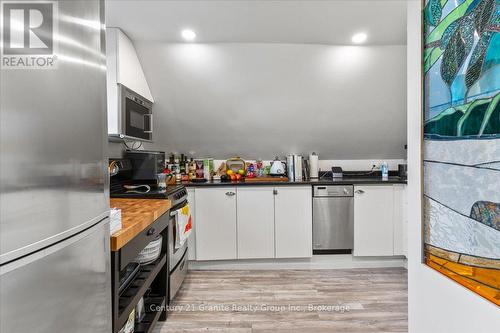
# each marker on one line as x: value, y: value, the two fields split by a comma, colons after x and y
x: 54, y: 227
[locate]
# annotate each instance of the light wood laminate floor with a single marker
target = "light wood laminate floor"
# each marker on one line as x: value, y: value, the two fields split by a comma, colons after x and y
x: 291, y: 301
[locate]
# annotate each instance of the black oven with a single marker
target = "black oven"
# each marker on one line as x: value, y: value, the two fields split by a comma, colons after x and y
x: 137, y: 115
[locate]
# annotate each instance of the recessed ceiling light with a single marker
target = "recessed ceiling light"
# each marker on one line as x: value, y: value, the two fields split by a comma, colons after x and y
x: 188, y: 35
x: 359, y: 38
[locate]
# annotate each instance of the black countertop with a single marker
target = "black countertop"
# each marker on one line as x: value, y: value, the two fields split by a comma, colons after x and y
x: 326, y: 181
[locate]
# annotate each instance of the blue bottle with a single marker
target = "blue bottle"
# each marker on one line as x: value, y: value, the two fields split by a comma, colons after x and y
x: 385, y: 171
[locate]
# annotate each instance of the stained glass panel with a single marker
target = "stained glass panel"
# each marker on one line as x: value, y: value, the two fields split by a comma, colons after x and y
x: 462, y: 142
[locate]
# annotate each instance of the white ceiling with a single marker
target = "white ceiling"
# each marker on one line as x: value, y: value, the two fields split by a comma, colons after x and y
x: 315, y: 22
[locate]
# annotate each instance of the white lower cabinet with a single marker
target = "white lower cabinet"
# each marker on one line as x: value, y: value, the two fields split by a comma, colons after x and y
x: 192, y: 238
x: 255, y: 222
x: 293, y: 221
x: 251, y: 222
x: 379, y: 228
x: 400, y: 221
x: 215, y: 224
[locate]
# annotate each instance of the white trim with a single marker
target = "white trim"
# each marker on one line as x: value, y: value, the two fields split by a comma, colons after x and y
x: 334, y: 261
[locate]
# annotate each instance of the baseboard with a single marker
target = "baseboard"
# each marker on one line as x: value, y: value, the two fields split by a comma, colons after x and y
x: 334, y: 261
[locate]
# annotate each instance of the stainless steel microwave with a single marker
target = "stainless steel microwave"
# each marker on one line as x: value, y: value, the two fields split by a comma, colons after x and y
x: 135, y: 116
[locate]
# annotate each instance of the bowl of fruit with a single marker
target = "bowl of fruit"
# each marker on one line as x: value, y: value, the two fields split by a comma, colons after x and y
x: 235, y: 176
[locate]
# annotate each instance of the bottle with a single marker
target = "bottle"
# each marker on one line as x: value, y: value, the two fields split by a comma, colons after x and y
x: 385, y: 171
x: 192, y: 169
x: 186, y: 165
x: 182, y: 166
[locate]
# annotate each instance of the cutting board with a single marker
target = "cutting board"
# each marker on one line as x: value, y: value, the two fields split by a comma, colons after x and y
x: 266, y: 179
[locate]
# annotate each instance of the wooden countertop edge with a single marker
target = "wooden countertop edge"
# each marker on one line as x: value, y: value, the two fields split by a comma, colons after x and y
x: 137, y: 215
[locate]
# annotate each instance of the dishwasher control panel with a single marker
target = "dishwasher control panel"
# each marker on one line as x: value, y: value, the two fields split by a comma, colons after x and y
x: 333, y: 191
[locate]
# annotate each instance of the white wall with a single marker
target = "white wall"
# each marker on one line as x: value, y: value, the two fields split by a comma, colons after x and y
x: 262, y: 100
x: 436, y: 303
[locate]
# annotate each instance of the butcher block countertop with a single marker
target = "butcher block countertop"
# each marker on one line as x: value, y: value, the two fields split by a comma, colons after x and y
x: 137, y: 215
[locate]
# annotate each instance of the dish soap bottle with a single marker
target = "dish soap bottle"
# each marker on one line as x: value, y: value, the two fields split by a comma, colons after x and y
x: 385, y: 171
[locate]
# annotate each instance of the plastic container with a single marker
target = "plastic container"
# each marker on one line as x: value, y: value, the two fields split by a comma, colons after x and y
x: 385, y: 171
x: 151, y: 252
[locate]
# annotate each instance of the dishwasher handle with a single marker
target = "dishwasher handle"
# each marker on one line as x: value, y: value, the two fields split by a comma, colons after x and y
x: 333, y: 191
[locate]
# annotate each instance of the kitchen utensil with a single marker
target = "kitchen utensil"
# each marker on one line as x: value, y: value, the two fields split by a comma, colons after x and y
x: 277, y: 168
x: 137, y: 188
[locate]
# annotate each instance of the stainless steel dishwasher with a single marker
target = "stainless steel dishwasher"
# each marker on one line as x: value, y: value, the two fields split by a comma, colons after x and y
x: 333, y: 219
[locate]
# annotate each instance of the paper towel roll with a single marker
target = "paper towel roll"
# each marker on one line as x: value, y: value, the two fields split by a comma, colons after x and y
x: 313, y: 165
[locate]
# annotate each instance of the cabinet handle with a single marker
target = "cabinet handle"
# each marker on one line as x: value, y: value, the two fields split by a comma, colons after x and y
x: 359, y: 191
x: 275, y: 192
x: 230, y: 194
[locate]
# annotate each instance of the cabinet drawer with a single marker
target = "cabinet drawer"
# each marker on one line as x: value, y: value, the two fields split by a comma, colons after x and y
x: 131, y: 250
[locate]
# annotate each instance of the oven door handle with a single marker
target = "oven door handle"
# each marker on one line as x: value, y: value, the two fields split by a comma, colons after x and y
x: 178, y: 206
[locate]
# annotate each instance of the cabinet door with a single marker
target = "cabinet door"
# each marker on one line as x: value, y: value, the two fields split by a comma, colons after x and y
x: 192, y: 238
x: 129, y: 69
x: 399, y: 220
x: 215, y: 223
x: 255, y: 222
x: 373, y: 220
x: 293, y: 221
